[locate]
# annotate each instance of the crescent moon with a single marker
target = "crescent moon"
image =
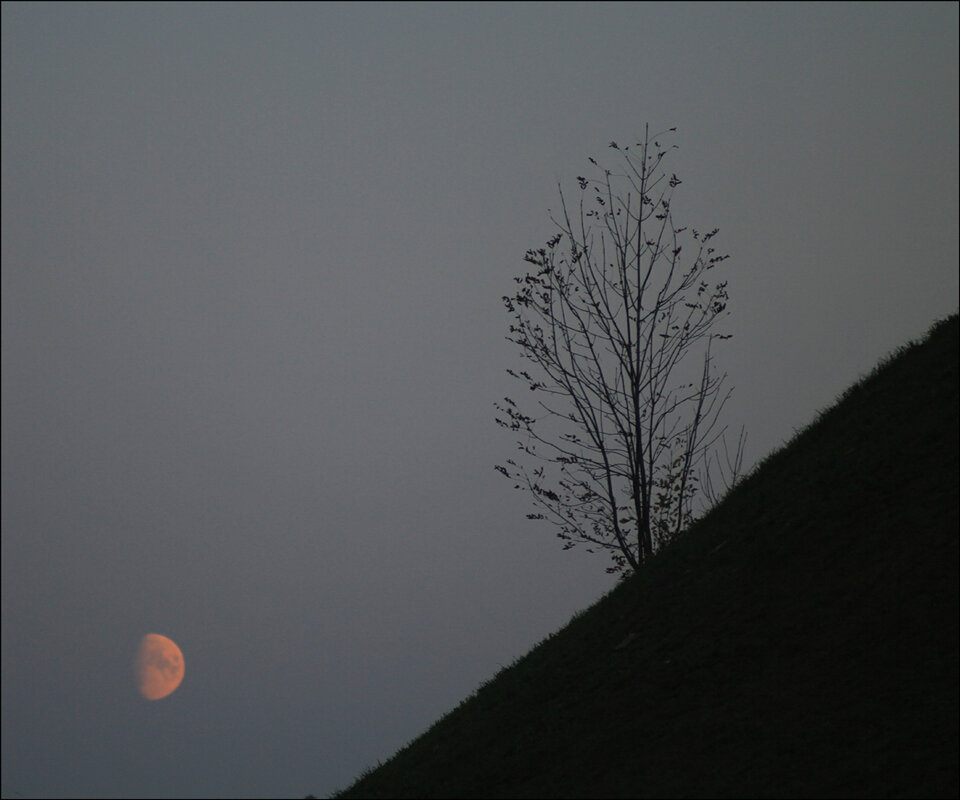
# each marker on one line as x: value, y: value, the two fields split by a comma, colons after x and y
x: 159, y: 666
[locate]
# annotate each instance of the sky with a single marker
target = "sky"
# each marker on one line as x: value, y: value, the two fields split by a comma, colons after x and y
x: 252, y: 266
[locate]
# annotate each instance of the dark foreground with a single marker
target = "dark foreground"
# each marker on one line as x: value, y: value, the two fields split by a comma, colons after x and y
x: 800, y: 641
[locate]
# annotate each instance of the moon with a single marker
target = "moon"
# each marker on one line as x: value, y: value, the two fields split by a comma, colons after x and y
x: 159, y: 666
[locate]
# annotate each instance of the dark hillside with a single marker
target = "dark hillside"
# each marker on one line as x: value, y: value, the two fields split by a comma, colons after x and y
x: 800, y: 641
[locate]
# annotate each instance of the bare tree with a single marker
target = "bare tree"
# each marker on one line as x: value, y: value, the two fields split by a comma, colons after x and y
x: 615, y: 304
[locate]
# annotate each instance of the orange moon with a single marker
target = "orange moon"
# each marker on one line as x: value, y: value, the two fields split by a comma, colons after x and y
x: 159, y: 666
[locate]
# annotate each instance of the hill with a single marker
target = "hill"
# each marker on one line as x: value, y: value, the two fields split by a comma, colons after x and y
x: 800, y: 640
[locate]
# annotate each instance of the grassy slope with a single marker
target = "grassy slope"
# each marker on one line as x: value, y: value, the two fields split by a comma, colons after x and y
x: 799, y: 641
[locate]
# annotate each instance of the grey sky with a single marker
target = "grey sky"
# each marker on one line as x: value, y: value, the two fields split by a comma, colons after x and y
x: 252, y: 335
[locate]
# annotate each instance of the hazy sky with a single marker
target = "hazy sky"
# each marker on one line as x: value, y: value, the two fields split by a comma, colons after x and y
x: 253, y: 258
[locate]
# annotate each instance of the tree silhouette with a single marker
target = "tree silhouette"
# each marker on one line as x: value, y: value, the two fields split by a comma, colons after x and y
x: 624, y: 424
